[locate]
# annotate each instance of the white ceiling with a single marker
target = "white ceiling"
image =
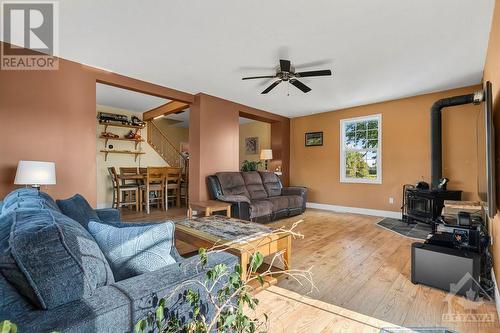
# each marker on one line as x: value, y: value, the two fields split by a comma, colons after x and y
x: 378, y: 49
x: 126, y: 99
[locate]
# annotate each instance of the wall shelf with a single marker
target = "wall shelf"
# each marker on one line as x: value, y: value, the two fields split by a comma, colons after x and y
x: 106, y: 139
x: 106, y: 125
x: 128, y: 152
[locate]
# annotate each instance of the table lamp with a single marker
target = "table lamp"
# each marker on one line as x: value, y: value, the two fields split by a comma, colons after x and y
x: 266, y: 155
x: 35, y: 173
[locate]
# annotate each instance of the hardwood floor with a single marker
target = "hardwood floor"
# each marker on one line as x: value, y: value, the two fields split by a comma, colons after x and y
x: 362, y: 275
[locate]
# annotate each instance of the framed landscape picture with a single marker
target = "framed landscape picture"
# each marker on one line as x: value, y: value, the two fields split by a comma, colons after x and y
x: 314, y: 139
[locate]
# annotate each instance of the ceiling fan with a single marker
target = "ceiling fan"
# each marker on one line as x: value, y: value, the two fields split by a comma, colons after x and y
x: 286, y: 72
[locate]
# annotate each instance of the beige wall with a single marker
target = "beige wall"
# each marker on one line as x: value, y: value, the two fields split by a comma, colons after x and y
x: 176, y: 135
x: 492, y: 73
x: 254, y: 129
x: 150, y: 158
x: 405, y: 151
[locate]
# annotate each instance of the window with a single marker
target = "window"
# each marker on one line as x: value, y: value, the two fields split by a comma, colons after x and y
x: 360, y: 150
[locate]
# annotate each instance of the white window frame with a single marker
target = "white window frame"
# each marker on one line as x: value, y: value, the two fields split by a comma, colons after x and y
x: 343, y: 150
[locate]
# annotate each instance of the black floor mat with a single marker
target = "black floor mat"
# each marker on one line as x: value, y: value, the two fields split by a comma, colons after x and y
x: 417, y: 230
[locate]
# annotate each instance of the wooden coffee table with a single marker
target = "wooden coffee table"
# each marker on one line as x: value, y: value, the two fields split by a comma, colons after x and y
x: 209, y: 207
x: 244, y: 238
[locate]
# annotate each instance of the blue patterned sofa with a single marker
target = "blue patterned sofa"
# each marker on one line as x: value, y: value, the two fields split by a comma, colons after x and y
x: 54, y: 276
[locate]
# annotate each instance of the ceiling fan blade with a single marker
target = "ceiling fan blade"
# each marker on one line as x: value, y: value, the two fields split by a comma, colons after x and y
x: 271, y: 87
x: 300, y: 85
x: 285, y: 65
x: 259, y: 77
x: 325, y: 72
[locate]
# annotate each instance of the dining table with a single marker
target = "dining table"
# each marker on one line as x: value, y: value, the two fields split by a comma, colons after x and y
x: 143, y: 177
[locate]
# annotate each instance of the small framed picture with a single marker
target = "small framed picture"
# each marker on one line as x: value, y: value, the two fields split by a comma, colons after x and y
x: 314, y: 139
x: 252, y: 145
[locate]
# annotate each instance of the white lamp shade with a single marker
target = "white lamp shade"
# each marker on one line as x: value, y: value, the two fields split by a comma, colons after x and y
x: 266, y: 154
x: 35, y: 173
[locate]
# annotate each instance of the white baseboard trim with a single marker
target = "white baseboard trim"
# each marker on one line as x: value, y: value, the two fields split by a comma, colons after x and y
x: 355, y: 210
x: 497, y: 293
x: 104, y: 205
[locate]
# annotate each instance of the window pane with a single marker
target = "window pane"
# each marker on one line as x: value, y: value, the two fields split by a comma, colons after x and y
x: 350, y: 127
x: 373, y: 134
x: 361, y: 126
x: 373, y: 124
x: 361, y: 138
x: 371, y: 144
x: 361, y: 165
x: 371, y: 160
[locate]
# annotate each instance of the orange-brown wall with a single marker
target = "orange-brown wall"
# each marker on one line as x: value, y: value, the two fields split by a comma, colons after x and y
x: 405, y: 151
x: 50, y: 116
x: 492, y: 73
x: 214, y: 139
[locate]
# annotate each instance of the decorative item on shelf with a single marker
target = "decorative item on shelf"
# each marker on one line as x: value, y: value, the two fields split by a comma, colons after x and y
x: 137, y: 122
x: 314, y: 139
x: 266, y: 155
x: 35, y: 173
x: 109, y: 135
x: 133, y: 135
x: 250, y: 165
x: 251, y: 145
x: 106, y: 117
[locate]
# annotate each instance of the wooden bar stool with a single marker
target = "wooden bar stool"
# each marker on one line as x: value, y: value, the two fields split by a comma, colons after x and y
x: 122, y: 191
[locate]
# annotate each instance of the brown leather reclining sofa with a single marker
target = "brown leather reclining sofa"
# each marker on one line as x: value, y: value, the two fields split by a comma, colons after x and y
x: 257, y: 196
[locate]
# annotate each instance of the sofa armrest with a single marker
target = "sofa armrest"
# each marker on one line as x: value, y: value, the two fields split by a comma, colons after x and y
x: 294, y: 190
x: 108, y: 215
x: 233, y: 198
x: 118, y: 307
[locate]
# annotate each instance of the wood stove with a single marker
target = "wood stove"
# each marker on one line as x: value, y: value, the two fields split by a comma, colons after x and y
x: 426, y: 205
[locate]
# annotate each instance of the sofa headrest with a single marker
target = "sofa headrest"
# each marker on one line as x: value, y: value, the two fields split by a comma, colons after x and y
x: 254, y: 185
x: 232, y: 183
x: 272, y: 183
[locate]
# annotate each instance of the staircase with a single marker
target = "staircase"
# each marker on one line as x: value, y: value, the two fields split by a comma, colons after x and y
x: 159, y: 141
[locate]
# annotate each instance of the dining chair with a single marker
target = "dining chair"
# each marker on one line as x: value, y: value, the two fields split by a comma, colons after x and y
x: 129, y: 171
x: 154, y: 185
x: 122, y: 191
x: 173, y: 185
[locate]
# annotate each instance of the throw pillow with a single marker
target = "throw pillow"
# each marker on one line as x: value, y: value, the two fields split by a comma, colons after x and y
x: 78, y: 209
x: 135, y: 250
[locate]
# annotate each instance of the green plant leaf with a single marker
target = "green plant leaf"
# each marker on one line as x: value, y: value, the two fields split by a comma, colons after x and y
x: 202, y: 253
x: 261, y: 280
x: 256, y: 262
x: 6, y: 326
x: 160, y: 313
x: 140, y: 326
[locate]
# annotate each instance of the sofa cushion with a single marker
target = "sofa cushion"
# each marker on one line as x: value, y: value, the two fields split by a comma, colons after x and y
x: 271, y: 183
x: 27, y: 198
x: 8, y: 266
x: 279, y: 203
x: 58, y: 257
x: 135, y: 250
x: 294, y: 201
x: 253, y: 183
x: 232, y: 183
x: 11, y: 301
x: 260, y: 208
x: 78, y: 209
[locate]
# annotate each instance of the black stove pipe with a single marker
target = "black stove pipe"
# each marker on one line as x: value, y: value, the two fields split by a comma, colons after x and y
x: 436, y: 130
